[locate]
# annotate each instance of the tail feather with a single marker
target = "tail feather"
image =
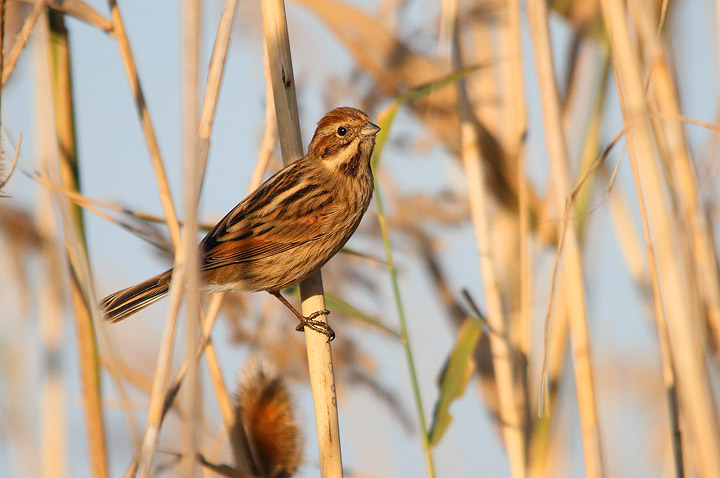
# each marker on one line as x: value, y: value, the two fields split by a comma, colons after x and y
x: 126, y: 302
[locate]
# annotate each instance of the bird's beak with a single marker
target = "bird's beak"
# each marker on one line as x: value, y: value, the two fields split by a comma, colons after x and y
x: 370, y: 129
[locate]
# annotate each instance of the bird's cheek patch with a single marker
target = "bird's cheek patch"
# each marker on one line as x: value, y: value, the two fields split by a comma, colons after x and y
x: 330, y: 149
x: 342, y: 157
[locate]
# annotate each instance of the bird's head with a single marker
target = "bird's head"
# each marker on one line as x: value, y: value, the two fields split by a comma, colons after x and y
x: 344, y: 140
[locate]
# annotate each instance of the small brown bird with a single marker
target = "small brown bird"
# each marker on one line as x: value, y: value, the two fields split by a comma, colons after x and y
x: 291, y: 225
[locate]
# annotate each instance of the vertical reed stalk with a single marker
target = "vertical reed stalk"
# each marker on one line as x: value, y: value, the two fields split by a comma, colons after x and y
x: 574, y: 289
x: 502, y: 350
x: 677, y: 150
x: 52, y: 412
x: 672, y: 273
x: 190, y: 33
x: 515, y: 118
x: 320, y: 363
x: 660, y: 318
x: 59, y: 57
x: 663, y: 92
x: 517, y: 124
x: 207, y: 117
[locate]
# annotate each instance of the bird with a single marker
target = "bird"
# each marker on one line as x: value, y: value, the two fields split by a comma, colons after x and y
x: 290, y: 226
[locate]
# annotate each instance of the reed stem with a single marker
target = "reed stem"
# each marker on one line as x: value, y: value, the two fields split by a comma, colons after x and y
x: 572, y: 280
x: 322, y: 378
x: 61, y: 80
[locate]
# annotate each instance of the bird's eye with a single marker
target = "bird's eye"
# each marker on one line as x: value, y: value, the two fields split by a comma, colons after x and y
x: 341, y: 131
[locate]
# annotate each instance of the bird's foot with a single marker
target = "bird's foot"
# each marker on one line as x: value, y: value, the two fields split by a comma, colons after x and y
x: 317, y: 325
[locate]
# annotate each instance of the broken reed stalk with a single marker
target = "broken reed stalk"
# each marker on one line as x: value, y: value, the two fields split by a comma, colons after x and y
x: 225, y: 403
x: 8, y: 64
x: 320, y: 363
x: 61, y: 82
x: 693, y: 384
x: 572, y: 277
x: 511, y: 420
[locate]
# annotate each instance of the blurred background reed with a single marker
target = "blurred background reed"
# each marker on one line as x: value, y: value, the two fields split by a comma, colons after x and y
x: 534, y: 291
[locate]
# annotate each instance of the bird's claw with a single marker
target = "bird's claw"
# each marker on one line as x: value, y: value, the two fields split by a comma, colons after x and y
x: 317, y: 314
x: 317, y: 325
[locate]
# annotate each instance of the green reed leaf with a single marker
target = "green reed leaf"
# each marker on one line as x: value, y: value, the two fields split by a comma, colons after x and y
x: 455, y: 376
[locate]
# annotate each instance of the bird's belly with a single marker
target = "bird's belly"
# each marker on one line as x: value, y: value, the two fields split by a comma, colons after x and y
x: 275, y: 272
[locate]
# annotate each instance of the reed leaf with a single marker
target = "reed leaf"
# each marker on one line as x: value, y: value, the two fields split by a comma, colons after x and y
x: 455, y: 376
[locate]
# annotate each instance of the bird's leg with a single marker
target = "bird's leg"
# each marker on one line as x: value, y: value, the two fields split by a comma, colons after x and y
x: 309, y: 321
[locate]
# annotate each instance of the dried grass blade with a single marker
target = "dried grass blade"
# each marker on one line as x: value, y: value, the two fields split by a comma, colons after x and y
x: 146, y: 122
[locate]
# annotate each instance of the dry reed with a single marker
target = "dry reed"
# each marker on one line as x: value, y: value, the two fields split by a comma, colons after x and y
x: 76, y: 247
x: 693, y: 383
x: 322, y: 379
x: 494, y: 193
